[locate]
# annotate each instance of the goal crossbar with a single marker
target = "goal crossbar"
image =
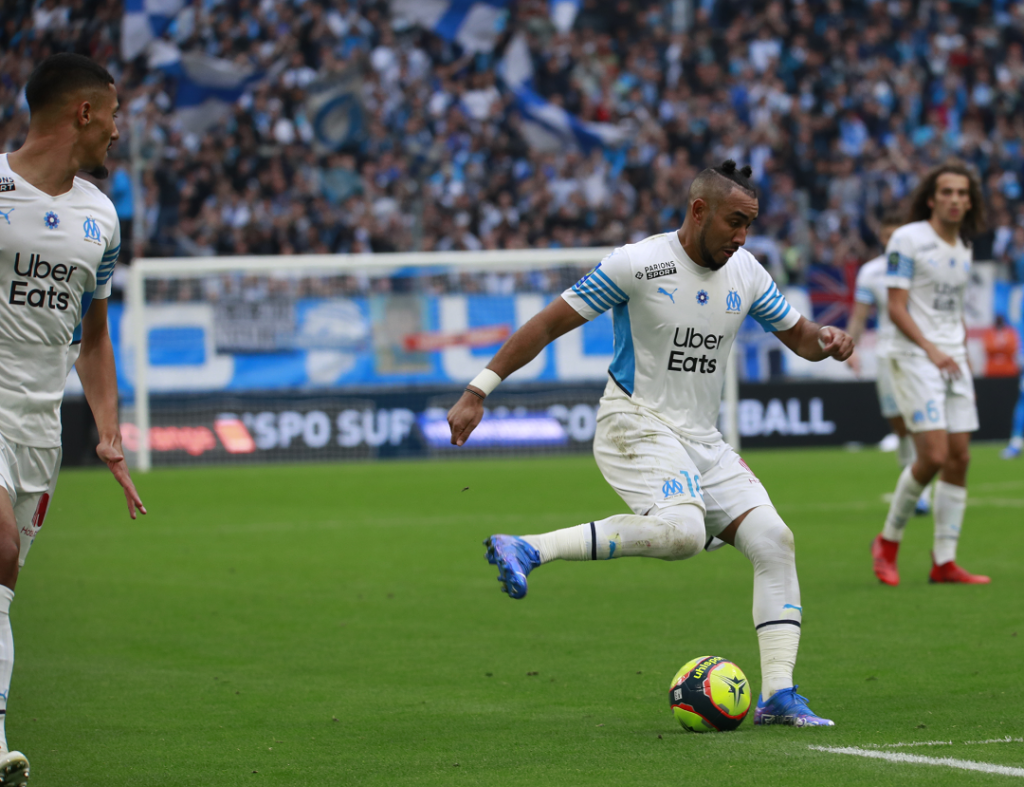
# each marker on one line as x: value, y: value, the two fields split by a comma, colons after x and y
x: 384, y: 264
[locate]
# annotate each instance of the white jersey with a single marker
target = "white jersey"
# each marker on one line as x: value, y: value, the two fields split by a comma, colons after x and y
x: 674, y: 324
x: 873, y: 291
x: 936, y: 275
x: 57, y: 254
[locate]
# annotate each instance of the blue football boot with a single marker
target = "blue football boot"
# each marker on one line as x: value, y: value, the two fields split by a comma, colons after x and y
x: 788, y: 707
x: 514, y: 559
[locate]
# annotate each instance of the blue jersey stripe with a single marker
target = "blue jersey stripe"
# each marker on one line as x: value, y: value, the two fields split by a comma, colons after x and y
x: 597, y: 293
x: 603, y: 277
x: 623, y: 368
x: 765, y: 295
x: 592, y: 297
x: 596, y: 286
x: 589, y: 302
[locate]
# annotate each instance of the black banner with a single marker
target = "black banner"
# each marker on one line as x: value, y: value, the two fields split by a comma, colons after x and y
x: 219, y: 428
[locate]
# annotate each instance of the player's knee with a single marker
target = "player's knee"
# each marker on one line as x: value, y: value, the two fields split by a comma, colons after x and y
x: 958, y: 458
x: 684, y: 534
x: 10, y: 549
x: 764, y: 536
x: 934, y: 455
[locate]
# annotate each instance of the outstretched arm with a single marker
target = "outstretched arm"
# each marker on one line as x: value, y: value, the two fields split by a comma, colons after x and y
x: 557, y: 318
x: 815, y: 342
x: 99, y: 380
x: 900, y: 316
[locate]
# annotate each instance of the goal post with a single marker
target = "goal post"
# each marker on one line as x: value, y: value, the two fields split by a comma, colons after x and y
x: 271, y: 290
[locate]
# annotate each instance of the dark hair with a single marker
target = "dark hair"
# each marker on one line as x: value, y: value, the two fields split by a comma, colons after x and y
x: 741, y: 177
x: 892, y: 218
x: 60, y: 76
x: 715, y: 183
x: 974, y: 220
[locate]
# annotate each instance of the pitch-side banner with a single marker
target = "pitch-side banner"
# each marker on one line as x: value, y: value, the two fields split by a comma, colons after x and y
x: 222, y: 428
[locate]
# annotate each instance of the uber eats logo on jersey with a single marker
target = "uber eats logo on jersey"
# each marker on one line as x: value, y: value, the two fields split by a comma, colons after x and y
x: 692, y: 339
x: 24, y: 293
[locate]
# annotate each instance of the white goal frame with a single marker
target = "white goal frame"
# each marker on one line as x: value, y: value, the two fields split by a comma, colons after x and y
x: 143, y: 269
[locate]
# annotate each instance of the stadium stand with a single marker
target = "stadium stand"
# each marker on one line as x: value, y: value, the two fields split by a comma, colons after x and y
x: 838, y: 106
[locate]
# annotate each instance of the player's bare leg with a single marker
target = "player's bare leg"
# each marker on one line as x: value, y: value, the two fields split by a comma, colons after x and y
x: 13, y: 765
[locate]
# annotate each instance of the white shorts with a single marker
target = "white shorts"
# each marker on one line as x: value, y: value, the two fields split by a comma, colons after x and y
x: 30, y: 477
x: 651, y: 466
x: 886, y: 393
x: 928, y: 400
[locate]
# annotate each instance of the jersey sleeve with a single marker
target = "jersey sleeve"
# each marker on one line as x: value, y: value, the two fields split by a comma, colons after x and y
x: 770, y: 307
x: 105, y: 272
x: 608, y: 285
x: 899, y: 255
x: 863, y: 292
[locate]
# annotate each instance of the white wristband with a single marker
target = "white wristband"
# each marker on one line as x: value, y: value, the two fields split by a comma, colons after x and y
x: 486, y: 381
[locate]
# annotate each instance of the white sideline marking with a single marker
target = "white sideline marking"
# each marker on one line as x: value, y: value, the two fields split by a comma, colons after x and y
x: 1007, y: 739
x: 948, y: 762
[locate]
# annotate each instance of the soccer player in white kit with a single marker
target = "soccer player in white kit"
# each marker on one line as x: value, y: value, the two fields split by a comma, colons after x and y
x: 677, y: 306
x: 872, y: 291
x: 59, y: 240
x: 929, y: 265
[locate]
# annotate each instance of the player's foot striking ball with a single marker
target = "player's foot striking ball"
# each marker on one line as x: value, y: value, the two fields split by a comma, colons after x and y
x: 13, y: 769
x: 952, y: 573
x: 514, y: 559
x: 884, y: 554
x: 788, y: 708
x: 710, y: 694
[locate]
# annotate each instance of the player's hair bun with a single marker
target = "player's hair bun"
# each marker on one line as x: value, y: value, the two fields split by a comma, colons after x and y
x: 728, y: 166
x: 746, y: 171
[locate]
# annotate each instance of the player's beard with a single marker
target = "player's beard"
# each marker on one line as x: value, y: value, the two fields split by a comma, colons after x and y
x: 100, y: 173
x: 705, y: 252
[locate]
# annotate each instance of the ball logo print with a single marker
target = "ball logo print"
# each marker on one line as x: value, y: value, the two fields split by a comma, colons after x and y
x: 710, y: 694
x: 51, y: 219
x: 702, y: 298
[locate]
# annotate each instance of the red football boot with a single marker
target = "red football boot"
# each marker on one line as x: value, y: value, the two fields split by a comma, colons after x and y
x: 884, y: 553
x: 951, y: 572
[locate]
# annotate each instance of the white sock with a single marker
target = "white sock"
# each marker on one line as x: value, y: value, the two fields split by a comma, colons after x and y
x: 950, y: 502
x: 6, y: 658
x: 902, y: 506
x: 779, y: 645
x: 673, y: 533
x: 768, y: 544
x: 906, y: 453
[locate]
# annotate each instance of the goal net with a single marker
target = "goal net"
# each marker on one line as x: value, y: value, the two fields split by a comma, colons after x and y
x: 325, y: 357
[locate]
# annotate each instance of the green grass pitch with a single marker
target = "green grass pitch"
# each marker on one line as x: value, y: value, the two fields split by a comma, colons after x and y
x: 338, y: 625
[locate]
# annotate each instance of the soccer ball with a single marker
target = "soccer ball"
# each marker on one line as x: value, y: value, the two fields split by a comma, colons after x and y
x: 710, y: 694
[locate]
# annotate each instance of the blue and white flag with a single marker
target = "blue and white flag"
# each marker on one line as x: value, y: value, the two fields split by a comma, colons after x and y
x: 563, y: 13
x: 335, y: 111
x: 208, y: 88
x: 548, y: 127
x: 145, y: 21
x: 473, y: 24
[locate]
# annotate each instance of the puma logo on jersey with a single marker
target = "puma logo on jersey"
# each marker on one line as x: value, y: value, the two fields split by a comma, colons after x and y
x: 6, y: 214
x: 671, y: 295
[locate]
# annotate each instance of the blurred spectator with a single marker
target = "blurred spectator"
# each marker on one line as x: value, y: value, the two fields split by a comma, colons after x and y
x: 1001, y: 347
x: 838, y: 107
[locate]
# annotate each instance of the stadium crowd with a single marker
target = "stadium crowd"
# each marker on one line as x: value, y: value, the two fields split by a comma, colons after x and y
x: 838, y: 107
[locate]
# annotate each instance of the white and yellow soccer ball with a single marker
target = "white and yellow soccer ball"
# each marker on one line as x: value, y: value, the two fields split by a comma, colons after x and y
x: 710, y: 694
